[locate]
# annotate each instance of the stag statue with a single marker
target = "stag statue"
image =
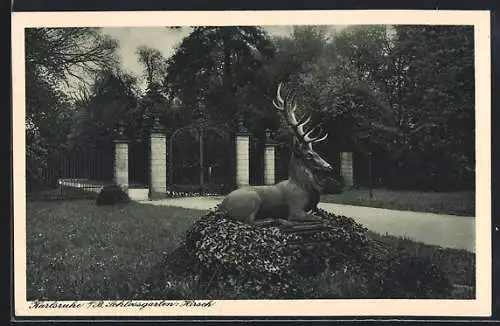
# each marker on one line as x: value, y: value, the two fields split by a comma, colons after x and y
x: 294, y: 199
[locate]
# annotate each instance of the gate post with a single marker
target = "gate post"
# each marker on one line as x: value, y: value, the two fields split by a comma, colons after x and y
x: 158, y: 161
x: 242, y: 156
x: 269, y: 160
x: 346, y: 168
x: 121, y: 160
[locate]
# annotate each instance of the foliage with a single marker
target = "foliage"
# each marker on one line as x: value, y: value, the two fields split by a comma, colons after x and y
x: 154, y: 64
x: 239, y: 256
x: 216, y: 74
x: 154, y: 102
x: 405, y: 93
x: 48, y: 119
x: 110, y: 102
x: 36, y: 162
x: 439, y: 101
x: 230, y: 259
x: 112, y: 195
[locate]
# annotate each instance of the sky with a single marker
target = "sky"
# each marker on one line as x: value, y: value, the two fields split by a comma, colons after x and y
x: 160, y: 38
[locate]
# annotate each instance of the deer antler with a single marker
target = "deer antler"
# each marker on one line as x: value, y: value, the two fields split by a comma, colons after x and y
x: 283, y: 105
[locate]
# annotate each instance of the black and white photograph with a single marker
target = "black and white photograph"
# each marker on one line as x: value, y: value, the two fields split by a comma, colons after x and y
x: 196, y: 168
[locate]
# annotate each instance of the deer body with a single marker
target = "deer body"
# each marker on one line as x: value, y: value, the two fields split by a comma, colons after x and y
x: 310, y: 176
x: 285, y: 200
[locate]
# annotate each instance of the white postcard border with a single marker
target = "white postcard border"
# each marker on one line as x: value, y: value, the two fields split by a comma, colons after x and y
x: 481, y: 306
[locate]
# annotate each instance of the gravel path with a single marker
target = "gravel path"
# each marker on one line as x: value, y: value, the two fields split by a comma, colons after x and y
x: 449, y: 231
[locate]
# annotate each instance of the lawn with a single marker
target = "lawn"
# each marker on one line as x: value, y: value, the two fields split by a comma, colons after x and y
x: 454, y: 203
x: 78, y: 251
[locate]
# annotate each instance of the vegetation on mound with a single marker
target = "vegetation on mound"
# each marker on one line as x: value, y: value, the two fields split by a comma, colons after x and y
x: 225, y: 259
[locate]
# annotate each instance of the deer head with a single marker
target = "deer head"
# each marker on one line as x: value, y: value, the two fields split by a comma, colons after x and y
x: 306, y: 165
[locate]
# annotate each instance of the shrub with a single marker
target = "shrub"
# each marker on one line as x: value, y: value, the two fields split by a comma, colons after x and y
x: 227, y: 259
x: 243, y: 257
x: 237, y: 260
x: 111, y: 195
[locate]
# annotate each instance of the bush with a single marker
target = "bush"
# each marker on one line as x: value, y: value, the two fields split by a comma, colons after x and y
x: 249, y: 259
x: 111, y: 195
x: 227, y: 259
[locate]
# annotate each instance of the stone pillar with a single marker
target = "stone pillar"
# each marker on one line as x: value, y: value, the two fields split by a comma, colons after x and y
x: 269, y: 160
x: 121, y: 161
x: 346, y: 168
x: 158, y: 162
x: 242, y: 156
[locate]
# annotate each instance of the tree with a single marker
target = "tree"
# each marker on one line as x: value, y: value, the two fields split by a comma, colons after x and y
x: 65, y: 53
x: 154, y: 64
x: 111, y: 101
x: 405, y: 92
x: 213, y: 67
x: 438, y: 98
x: 48, y: 121
x: 56, y: 57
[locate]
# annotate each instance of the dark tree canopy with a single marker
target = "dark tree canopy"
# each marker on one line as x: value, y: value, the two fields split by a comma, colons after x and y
x: 405, y: 93
x: 112, y: 100
x: 216, y: 73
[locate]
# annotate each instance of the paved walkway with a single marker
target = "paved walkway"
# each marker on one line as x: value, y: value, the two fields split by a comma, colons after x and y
x: 449, y: 231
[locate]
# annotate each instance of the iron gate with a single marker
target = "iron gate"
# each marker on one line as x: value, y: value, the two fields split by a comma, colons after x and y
x: 200, y: 160
x: 138, y: 163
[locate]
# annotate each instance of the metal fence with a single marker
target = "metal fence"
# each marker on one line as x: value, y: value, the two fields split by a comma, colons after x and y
x: 75, y: 174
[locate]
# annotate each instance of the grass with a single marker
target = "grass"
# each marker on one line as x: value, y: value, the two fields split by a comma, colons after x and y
x: 78, y: 251
x: 458, y: 264
x: 455, y: 203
